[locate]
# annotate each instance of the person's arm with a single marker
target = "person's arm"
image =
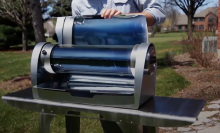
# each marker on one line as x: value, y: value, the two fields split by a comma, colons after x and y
x: 151, y: 9
x: 75, y: 9
x: 150, y: 19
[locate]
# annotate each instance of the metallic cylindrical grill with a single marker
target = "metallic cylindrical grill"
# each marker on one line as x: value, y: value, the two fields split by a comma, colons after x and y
x: 97, y: 61
x: 92, y: 60
x: 105, y: 32
x: 94, y: 30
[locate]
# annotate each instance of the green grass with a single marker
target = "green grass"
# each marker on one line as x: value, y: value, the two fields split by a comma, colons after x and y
x: 168, y: 81
x: 15, y: 64
x: 33, y: 43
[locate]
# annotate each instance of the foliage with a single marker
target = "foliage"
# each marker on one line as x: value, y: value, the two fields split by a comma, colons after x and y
x: 172, y: 14
x: 194, y: 48
x: 7, y: 22
x: 9, y: 36
x: 60, y: 8
x: 189, y: 7
x: 169, y: 58
x: 18, y: 11
x: 155, y: 29
x: 167, y: 23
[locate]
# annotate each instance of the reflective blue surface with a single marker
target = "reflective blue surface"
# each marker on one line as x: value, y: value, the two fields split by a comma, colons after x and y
x: 92, y: 60
x: 115, y: 31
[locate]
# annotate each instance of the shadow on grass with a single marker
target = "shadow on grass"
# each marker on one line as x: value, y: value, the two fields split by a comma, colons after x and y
x: 18, y: 48
x: 162, y: 65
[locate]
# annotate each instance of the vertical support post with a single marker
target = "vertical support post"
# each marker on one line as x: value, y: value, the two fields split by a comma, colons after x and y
x: 72, y: 122
x: 147, y: 129
x: 44, y: 122
x: 131, y: 128
x: 219, y: 31
x: 110, y: 126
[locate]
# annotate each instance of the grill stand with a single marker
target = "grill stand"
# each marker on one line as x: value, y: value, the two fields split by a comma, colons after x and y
x: 156, y: 112
x: 73, y: 125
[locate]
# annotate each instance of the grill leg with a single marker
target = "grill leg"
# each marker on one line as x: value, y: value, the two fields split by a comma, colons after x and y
x: 131, y: 128
x: 44, y: 122
x: 113, y: 127
x: 110, y: 126
x: 147, y: 129
x: 73, y: 123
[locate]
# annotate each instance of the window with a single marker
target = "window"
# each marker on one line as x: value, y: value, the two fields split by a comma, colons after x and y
x: 201, y: 27
x: 180, y: 27
x: 195, y: 19
x: 201, y: 19
x: 195, y: 27
x: 186, y: 27
x: 211, y: 19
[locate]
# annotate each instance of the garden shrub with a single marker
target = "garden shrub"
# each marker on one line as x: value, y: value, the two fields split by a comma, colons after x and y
x: 169, y: 58
x: 9, y: 36
x: 194, y: 48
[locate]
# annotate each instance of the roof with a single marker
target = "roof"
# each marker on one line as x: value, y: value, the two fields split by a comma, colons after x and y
x: 183, y: 20
x: 205, y: 12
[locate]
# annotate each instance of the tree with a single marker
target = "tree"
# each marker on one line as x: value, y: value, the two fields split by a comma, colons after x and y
x: 172, y: 15
x: 167, y: 24
x: 189, y: 7
x: 37, y: 20
x: 60, y: 8
x: 18, y: 11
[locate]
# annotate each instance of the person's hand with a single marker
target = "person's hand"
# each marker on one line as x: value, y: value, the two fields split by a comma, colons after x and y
x: 110, y: 13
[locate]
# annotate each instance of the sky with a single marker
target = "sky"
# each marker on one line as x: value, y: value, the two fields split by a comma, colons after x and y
x: 213, y: 3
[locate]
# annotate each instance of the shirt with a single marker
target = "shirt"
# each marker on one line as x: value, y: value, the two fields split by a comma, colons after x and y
x: 95, y: 7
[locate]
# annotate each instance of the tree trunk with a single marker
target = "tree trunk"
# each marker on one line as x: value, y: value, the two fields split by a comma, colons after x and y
x: 37, y: 21
x: 24, y: 38
x: 190, y: 26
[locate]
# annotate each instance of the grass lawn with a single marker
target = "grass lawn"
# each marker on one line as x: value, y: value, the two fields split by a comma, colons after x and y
x: 16, y: 64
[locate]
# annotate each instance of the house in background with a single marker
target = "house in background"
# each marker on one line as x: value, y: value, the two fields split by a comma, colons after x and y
x: 206, y: 20
x: 49, y: 29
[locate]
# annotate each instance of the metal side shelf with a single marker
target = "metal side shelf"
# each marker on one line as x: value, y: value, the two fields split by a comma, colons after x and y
x: 156, y: 112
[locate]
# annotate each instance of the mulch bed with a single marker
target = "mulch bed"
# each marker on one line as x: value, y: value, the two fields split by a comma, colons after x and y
x: 17, y: 83
x: 205, y: 83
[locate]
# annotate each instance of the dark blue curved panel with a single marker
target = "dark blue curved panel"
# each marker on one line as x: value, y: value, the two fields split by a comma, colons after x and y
x: 92, y: 60
x: 115, y: 31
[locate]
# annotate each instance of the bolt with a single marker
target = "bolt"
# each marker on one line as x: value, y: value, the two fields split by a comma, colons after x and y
x: 44, y: 52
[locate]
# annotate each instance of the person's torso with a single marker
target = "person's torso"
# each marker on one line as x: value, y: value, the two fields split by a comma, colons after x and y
x: 94, y: 7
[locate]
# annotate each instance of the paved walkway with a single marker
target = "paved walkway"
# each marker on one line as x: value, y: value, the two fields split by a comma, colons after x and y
x: 208, y: 121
